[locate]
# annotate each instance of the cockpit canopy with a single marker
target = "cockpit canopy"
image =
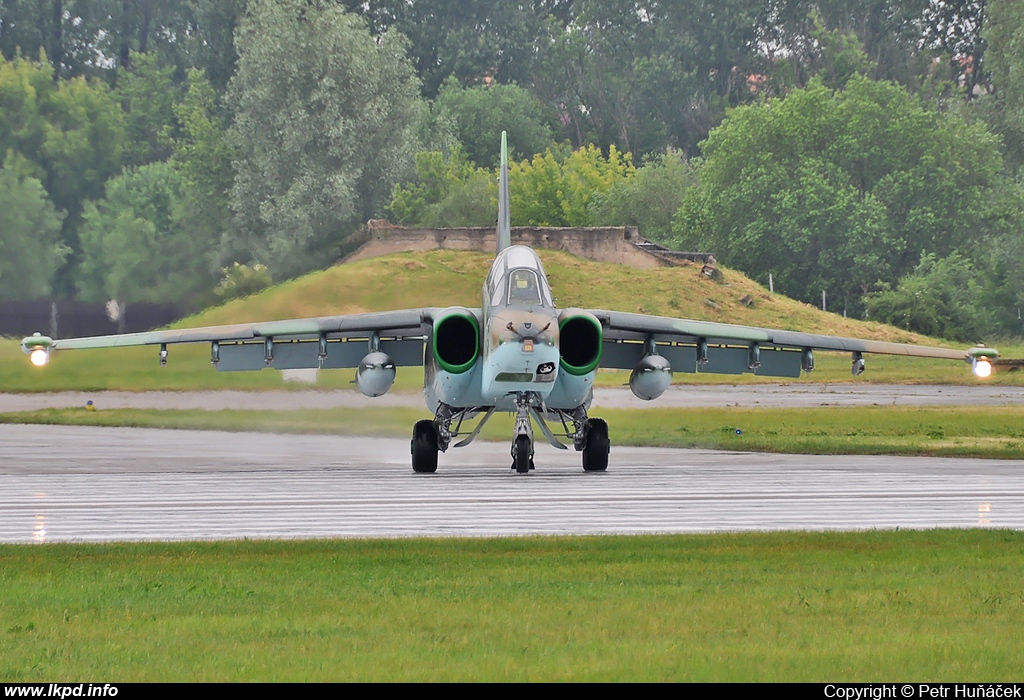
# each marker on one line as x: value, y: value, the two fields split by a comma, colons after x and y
x: 517, y: 279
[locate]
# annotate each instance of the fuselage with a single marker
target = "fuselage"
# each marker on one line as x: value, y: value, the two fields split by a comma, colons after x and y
x: 518, y: 344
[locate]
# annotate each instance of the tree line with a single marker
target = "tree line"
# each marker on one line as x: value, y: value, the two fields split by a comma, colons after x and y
x: 869, y: 149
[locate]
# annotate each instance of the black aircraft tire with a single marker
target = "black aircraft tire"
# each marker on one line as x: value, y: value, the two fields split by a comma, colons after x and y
x: 595, y: 452
x: 424, y: 447
x: 522, y: 454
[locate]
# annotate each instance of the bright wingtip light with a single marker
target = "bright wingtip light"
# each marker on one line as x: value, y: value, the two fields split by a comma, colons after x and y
x: 982, y: 368
x: 39, y: 357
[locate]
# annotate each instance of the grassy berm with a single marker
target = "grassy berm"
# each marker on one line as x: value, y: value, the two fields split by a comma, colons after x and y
x: 874, y: 606
x: 445, y: 278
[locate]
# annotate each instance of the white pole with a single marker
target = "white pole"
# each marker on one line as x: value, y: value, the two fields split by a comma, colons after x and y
x: 771, y: 285
x: 823, y: 300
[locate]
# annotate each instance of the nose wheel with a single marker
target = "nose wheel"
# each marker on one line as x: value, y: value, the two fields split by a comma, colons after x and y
x: 522, y: 454
x: 522, y: 440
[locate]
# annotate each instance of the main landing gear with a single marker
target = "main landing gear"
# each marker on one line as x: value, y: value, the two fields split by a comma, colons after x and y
x: 596, y: 446
x: 589, y: 435
x: 424, y: 447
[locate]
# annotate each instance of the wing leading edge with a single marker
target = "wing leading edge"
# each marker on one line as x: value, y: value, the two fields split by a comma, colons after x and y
x: 324, y: 342
x: 704, y: 346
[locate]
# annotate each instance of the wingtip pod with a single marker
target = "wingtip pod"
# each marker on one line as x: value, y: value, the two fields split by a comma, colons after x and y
x: 981, y: 359
x: 504, y: 218
x: 37, y: 347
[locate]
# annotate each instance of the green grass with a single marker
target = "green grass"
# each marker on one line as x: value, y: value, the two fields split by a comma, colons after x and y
x: 992, y: 432
x: 443, y: 278
x: 872, y: 606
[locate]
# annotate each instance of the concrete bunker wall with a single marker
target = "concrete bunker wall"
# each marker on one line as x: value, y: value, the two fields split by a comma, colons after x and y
x: 615, y: 244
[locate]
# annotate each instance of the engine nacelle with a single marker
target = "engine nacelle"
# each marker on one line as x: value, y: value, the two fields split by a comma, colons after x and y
x: 651, y: 377
x: 456, y: 339
x: 579, y: 341
x: 375, y: 374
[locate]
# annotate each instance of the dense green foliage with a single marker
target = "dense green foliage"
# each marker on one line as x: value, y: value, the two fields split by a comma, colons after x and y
x: 557, y: 191
x: 321, y: 134
x: 1004, y: 33
x: 285, y: 151
x: 479, y: 115
x: 30, y: 249
x: 439, y: 176
x: 650, y: 198
x: 838, y: 190
x: 137, y: 243
x: 69, y: 134
x: 941, y: 296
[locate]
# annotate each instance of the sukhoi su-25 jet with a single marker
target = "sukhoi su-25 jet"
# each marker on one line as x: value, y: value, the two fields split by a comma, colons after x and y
x: 516, y: 353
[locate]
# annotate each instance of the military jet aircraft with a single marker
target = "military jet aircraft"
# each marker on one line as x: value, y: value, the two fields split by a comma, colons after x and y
x: 516, y: 353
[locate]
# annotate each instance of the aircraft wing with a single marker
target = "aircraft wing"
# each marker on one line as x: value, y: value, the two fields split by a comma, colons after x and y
x: 722, y: 348
x: 328, y: 341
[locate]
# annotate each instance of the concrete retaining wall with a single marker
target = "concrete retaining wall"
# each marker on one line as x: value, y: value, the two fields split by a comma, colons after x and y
x: 603, y: 244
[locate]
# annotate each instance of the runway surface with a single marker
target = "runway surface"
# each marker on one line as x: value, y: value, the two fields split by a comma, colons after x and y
x: 796, y: 395
x: 61, y: 483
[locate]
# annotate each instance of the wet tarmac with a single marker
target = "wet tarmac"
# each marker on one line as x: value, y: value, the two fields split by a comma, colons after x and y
x: 65, y: 483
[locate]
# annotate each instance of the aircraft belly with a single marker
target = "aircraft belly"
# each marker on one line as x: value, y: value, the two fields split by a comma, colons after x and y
x: 509, y: 369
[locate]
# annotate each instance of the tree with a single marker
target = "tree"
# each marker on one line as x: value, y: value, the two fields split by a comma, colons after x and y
x: 203, y: 156
x: 649, y: 199
x: 941, y: 298
x: 30, y: 248
x: 137, y: 245
x: 325, y: 125
x: 649, y: 75
x: 553, y: 191
x: 437, y: 174
x: 1004, y: 33
x: 69, y: 134
x: 77, y: 36
x: 839, y: 190
x: 890, y: 33
x: 481, y: 113
x: 148, y: 94
x: 448, y: 191
x: 471, y: 40
x: 72, y: 129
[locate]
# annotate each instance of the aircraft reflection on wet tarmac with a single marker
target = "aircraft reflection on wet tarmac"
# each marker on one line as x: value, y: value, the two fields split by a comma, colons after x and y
x: 99, y: 484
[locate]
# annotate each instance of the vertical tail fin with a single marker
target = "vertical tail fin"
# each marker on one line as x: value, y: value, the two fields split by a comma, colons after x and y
x: 504, y: 226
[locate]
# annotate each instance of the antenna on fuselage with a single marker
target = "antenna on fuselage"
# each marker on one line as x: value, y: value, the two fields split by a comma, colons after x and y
x: 504, y: 226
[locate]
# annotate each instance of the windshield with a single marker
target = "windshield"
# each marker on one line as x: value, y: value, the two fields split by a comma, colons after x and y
x: 523, y: 287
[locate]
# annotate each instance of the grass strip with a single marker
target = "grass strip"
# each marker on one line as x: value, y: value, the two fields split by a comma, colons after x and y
x: 988, y: 431
x: 869, y: 606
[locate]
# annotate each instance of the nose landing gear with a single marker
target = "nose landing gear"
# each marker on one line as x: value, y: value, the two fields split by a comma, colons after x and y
x: 522, y: 436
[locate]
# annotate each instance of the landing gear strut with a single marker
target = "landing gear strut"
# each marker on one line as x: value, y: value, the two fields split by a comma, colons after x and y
x: 589, y: 435
x: 522, y: 437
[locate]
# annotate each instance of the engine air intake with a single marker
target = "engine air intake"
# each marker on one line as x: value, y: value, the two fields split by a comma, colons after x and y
x: 456, y: 340
x: 580, y: 337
